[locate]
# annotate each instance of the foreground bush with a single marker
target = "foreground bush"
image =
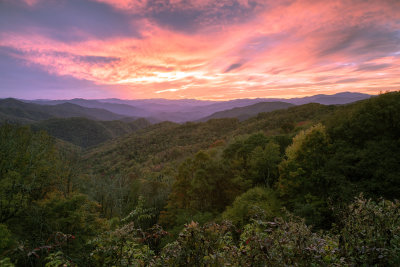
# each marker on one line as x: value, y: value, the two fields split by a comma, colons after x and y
x: 368, y: 234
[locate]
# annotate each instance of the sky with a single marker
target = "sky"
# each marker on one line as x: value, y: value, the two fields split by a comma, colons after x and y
x: 201, y: 49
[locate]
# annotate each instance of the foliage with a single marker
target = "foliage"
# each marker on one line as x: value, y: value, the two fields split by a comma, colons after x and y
x: 112, y: 192
x: 196, y: 245
x: 366, y: 236
x: 366, y: 146
x: 272, y: 122
x: 120, y: 247
x: 6, y: 262
x: 58, y: 259
x: 279, y: 243
x: 263, y: 164
x: 140, y: 216
x: 302, y: 182
x: 126, y: 246
x: 26, y: 255
x: 166, y: 142
x: 311, y: 160
x: 5, y: 238
x: 287, y: 242
x: 358, y: 151
x: 370, y: 232
x: 256, y: 203
x: 28, y: 169
x: 76, y: 216
x: 37, y: 198
x: 84, y: 132
x: 199, y: 177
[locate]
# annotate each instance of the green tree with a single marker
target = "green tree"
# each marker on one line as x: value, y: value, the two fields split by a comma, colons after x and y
x: 140, y: 216
x: 28, y: 169
x: 303, y: 184
x: 56, y: 224
x: 256, y: 203
x: 203, y: 184
x: 238, y: 152
x: 6, y: 240
x: 263, y: 164
x: 366, y: 147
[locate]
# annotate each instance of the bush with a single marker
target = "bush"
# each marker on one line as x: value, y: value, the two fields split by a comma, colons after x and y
x: 370, y: 232
x: 258, y: 202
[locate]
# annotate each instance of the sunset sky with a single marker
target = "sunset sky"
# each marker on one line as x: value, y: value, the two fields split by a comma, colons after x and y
x: 203, y: 49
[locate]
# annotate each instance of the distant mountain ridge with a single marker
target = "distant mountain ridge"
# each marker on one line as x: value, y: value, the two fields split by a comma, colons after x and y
x: 13, y: 110
x: 118, y: 108
x: 336, y: 99
x: 87, y: 123
x: 243, y: 113
x: 182, y: 110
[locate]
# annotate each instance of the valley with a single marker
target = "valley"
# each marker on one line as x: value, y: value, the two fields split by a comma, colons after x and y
x: 248, y: 178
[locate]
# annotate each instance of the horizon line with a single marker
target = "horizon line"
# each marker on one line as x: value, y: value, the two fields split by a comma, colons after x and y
x: 195, y: 99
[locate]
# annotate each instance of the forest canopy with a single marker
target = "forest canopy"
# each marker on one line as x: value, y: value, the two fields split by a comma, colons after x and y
x: 308, y: 185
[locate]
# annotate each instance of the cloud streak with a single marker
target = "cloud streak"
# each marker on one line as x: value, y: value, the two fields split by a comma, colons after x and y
x: 205, y: 49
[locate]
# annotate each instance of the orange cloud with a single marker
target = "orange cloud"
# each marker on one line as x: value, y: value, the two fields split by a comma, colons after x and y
x: 291, y: 48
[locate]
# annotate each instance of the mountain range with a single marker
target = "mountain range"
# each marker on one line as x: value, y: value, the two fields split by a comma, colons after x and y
x: 182, y: 110
x: 87, y: 123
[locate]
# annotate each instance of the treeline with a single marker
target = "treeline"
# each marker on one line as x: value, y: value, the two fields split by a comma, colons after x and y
x: 310, y: 185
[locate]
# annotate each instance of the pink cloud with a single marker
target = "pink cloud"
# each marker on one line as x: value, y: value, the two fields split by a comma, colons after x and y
x: 125, y: 4
x: 289, y: 49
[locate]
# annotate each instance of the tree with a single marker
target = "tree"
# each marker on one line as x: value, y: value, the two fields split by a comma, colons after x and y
x: 203, y: 184
x: 256, y: 203
x: 28, y: 169
x: 303, y: 184
x: 366, y: 147
x: 304, y: 158
x: 263, y: 164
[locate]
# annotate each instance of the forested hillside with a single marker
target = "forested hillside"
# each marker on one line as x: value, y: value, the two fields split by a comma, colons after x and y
x: 81, y: 126
x: 14, y: 111
x: 87, y: 133
x: 310, y: 185
x: 246, y: 112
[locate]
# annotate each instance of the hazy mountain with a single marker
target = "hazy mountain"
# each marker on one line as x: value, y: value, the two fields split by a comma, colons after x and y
x: 182, y: 110
x: 193, y: 110
x: 246, y: 112
x: 122, y: 109
x: 17, y: 111
x: 336, y: 99
x: 160, y: 103
x: 154, y: 110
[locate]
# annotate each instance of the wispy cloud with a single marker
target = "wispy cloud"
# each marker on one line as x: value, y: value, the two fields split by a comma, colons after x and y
x: 199, y: 49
